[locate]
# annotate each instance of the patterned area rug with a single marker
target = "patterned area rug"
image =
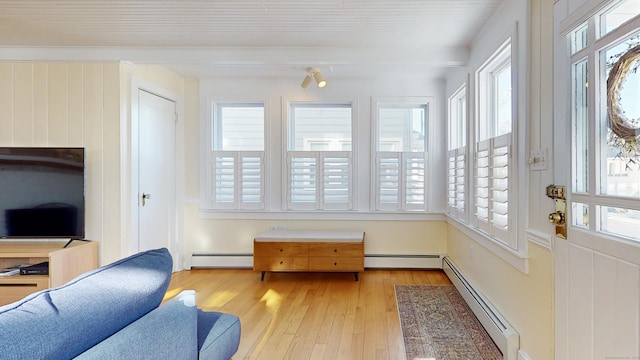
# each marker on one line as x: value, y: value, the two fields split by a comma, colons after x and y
x: 437, y: 324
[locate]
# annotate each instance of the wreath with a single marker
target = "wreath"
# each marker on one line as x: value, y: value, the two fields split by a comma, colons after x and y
x: 625, y: 134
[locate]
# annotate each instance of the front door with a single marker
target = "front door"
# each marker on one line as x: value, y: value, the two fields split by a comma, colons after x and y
x: 597, y: 267
x: 156, y: 172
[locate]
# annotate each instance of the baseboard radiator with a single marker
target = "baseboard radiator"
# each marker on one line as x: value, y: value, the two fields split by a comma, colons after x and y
x: 505, y: 336
x: 373, y: 261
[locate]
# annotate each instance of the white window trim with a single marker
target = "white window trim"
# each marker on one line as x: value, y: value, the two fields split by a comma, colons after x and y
x: 593, y: 198
x: 207, y: 154
x: 517, y: 258
x: 287, y: 205
x: 432, y: 131
x: 461, y: 150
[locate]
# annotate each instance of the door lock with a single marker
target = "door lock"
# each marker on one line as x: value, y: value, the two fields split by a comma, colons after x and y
x: 556, y: 192
x: 145, y: 197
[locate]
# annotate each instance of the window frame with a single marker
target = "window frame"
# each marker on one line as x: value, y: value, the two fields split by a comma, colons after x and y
x: 591, y: 199
x: 457, y: 154
x: 212, y: 136
x: 404, y: 158
x: 322, y: 158
x: 486, y: 94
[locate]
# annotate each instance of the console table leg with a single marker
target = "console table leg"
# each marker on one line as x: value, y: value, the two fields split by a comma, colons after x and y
x: 356, y: 275
x: 262, y: 276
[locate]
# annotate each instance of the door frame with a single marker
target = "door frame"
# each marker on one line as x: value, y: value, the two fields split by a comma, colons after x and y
x: 130, y: 177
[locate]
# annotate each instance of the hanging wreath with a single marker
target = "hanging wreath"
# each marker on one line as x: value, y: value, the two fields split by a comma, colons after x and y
x: 624, y: 133
x: 619, y: 124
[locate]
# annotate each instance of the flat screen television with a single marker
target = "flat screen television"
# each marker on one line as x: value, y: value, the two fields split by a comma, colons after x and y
x: 42, y: 192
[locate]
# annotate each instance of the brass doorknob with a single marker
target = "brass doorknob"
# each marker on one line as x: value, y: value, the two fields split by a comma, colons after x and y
x: 556, y: 218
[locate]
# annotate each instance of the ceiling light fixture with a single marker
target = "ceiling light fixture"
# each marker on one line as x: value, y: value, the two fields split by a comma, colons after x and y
x: 313, y: 73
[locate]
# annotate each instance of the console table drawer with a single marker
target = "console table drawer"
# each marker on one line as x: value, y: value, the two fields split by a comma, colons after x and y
x: 280, y: 249
x: 336, y: 249
x: 326, y: 263
x: 275, y: 263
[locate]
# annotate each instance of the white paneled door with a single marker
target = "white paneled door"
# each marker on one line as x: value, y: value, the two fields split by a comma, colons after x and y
x: 597, y: 268
x: 156, y: 172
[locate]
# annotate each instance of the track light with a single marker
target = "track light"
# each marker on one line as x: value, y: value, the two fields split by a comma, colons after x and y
x: 319, y: 79
x: 315, y: 74
x: 306, y: 82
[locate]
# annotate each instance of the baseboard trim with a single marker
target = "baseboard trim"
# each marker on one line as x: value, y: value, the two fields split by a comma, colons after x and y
x: 372, y: 261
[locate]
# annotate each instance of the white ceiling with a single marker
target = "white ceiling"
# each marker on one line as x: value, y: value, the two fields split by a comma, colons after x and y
x: 248, y: 37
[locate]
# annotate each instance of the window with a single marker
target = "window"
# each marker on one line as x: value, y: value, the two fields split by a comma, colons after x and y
x: 319, y: 157
x: 456, y: 153
x: 605, y: 189
x: 401, y: 156
x: 236, y: 169
x: 494, y: 187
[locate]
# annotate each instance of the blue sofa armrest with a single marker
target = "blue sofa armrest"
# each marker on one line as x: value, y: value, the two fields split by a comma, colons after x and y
x: 218, y: 335
x: 168, y: 332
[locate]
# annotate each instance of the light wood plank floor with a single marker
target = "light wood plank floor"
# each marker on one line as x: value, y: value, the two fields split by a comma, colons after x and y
x: 308, y: 315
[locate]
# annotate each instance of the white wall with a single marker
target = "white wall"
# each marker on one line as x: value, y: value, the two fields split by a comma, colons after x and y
x: 84, y: 105
x: 524, y: 298
x: 204, y: 233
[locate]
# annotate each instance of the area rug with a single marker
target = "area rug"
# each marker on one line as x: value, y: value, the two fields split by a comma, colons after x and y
x: 437, y: 324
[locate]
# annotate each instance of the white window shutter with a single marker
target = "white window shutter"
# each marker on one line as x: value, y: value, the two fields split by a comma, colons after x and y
x: 492, y: 188
x: 238, y: 180
x: 320, y: 180
x: 456, y: 182
x: 400, y: 181
x: 415, y: 197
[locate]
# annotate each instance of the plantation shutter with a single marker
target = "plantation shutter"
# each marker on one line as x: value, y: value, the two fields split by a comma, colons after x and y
x: 455, y: 182
x: 400, y: 181
x: 492, y: 187
x: 320, y: 180
x: 237, y: 179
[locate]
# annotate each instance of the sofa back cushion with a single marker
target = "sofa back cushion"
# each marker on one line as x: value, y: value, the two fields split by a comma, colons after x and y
x: 60, y: 323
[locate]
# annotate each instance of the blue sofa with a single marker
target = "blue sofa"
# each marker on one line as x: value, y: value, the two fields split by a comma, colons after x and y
x: 115, y: 312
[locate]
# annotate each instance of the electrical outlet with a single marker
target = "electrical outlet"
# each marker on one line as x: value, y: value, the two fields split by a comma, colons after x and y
x: 538, y: 159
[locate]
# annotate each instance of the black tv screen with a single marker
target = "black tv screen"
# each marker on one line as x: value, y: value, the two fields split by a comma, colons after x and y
x: 42, y: 192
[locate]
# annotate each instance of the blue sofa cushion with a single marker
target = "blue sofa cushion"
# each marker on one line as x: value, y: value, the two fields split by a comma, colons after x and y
x: 218, y: 335
x: 61, y: 323
x: 167, y: 332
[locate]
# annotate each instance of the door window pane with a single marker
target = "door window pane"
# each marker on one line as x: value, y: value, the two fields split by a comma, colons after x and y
x: 619, y: 167
x: 580, y: 127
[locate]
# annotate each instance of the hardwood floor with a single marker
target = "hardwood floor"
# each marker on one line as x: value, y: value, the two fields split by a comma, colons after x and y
x: 308, y: 315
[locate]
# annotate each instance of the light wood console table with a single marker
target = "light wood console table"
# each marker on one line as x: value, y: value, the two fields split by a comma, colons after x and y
x: 309, y: 251
x: 64, y: 265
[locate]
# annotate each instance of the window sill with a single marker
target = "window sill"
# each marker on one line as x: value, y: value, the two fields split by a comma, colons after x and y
x: 320, y: 215
x: 519, y: 260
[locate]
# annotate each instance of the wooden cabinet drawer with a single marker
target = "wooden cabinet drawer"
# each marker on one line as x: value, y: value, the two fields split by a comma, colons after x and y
x: 326, y: 263
x: 280, y: 249
x: 16, y: 287
x: 279, y: 263
x: 336, y: 249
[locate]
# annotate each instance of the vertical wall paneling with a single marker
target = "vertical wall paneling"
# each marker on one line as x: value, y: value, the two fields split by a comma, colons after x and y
x: 6, y: 104
x: 40, y: 104
x: 23, y: 104
x: 111, y: 158
x: 75, y: 123
x: 561, y: 297
x: 58, y: 98
x: 615, y: 307
x: 581, y: 303
x: 92, y: 95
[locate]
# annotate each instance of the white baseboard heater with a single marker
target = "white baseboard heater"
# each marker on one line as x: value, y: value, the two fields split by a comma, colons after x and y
x: 505, y: 336
x: 372, y: 261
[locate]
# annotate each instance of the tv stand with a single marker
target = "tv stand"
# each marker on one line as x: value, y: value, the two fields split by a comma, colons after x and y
x: 72, y: 240
x: 65, y: 263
